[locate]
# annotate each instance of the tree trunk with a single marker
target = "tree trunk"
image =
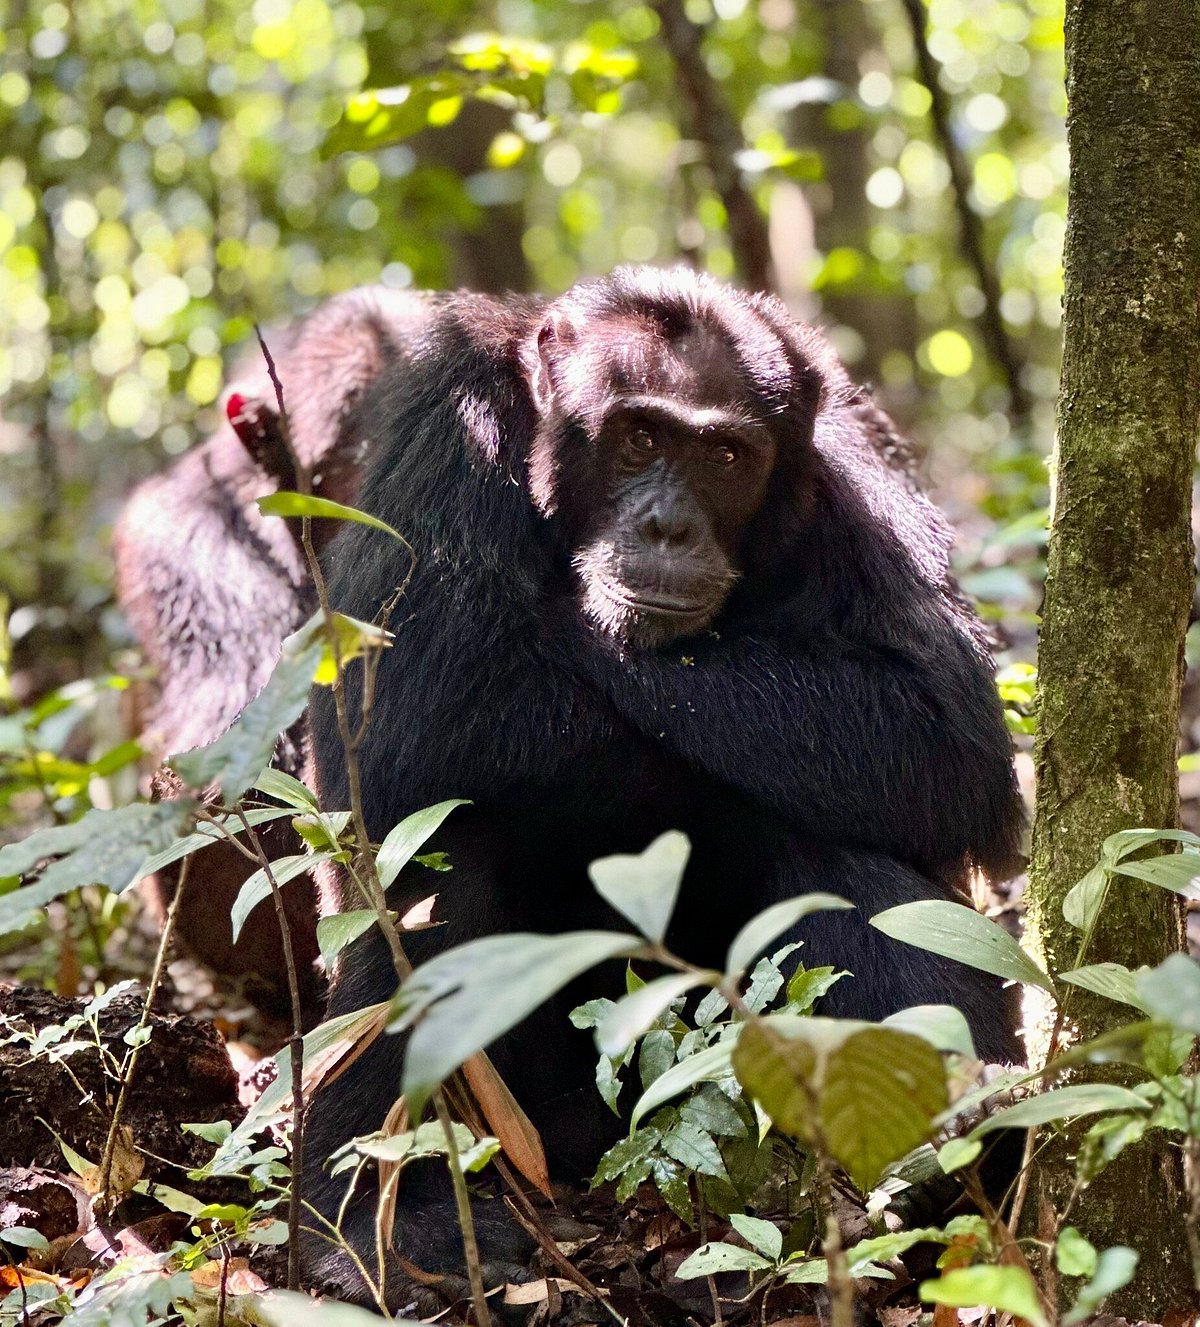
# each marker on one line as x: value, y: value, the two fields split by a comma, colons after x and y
x: 1120, y: 574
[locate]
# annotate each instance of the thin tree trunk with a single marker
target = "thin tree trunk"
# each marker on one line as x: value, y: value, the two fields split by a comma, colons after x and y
x: 1120, y: 571
x: 710, y: 122
x: 991, y: 323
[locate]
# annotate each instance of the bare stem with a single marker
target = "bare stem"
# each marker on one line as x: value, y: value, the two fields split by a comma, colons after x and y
x: 160, y: 963
x: 296, y: 1045
x: 466, y: 1223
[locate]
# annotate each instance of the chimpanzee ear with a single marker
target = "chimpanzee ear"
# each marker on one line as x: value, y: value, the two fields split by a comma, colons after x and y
x: 556, y: 332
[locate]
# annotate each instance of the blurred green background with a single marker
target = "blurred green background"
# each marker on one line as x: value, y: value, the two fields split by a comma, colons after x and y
x: 172, y: 172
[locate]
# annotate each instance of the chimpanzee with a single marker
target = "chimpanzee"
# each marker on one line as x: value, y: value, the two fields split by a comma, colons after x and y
x: 211, y: 589
x: 666, y: 577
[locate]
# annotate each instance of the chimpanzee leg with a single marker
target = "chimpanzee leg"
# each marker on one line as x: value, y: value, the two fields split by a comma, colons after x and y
x: 736, y: 874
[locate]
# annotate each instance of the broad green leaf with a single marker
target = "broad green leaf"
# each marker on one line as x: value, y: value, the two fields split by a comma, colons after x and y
x: 643, y: 887
x: 1171, y: 992
x: 958, y: 932
x: 402, y: 842
x: 1111, y: 980
x: 943, y: 1026
x: 24, y: 1237
x: 1179, y: 872
x: 762, y: 1235
x: 109, y: 851
x: 1062, y: 1103
x: 462, y: 1000
x: 297, y: 504
x: 1074, y: 1255
x: 1010, y: 1289
x: 1125, y: 841
x: 875, y: 1091
x: 763, y: 930
x: 340, y: 929
x: 882, y: 1091
x: 1082, y: 902
x: 711, y: 1259
x: 1107, y: 1139
x: 711, y: 1063
x: 206, y: 835
x: 281, y: 785
x: 235, y: 760
x: 957, y: 1153
x: 257, y: 887
x: 630, y: 1016
x: 289, y: 1308
x: 1114, y: 1270
x: 711, y: 1110
x: 694, y: 1149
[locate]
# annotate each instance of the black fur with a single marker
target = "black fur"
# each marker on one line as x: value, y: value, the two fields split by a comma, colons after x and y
x: 837, y: 729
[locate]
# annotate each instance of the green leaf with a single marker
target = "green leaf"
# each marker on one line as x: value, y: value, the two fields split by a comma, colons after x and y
x: 1179, y: 873
x: 882, y: 1091
x: 1107, y: 1139
x: 874, y: 1091
x: 1171, y: 992
x: 236, y: 759
x: 282, y: 786
x: 711, y: 1259
x: 694, y: 1149
x: 762, y: 1235
x: 763, y: 930
x: 402, y: 842
x: 289, y: 1308
x: 106, y: 848
x: 711, y: 1110
x: 1082, y: 902
x: 1062, y: 1103
x: 630, y: 1016
x: 943, y: 1026
x: 1074, y: 1255
x: 1114, y: 1270
x: 1111, y: 980
x: 656, y: 1055
x: 297, y: 504
x: 206, y: 835
x: 712, y: 1062
x: 257, y: 887
x: 340, y: 929
x: 1010, y: 1289
x: 462, y: 1000
x: 958, y: 932
x: 957, y: 1153
x: 24, y: 1237
x: 643, y: 887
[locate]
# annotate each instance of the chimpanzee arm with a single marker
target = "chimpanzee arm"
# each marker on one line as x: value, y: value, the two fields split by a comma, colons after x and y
x: 867, y: 747
x: 849, y: 687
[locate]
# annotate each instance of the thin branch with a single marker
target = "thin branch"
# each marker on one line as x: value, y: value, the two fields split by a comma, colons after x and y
x: 713, y: 126
x: 995, y: 335
x: 296, y: 1045
x: 160, y: 962
x: 466, y: 1223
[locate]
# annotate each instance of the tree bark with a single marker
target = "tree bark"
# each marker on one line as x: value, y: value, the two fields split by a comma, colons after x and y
x: 1120, y: 573
x: 715, y: 129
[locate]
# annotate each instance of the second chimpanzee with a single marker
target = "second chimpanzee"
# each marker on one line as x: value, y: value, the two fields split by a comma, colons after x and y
x: 666, y: 577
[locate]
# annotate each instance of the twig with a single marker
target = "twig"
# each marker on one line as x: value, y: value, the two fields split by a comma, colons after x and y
x: 995, y: 334
x: 714, y: 128
x: 841, y: 1287
x: 529, y: 1223
x: 160, y: 961
x: 466, y: 1225
x: 296, y: 1045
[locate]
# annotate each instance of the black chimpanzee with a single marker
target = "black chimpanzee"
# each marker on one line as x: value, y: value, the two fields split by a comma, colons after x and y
x: 666, y: 577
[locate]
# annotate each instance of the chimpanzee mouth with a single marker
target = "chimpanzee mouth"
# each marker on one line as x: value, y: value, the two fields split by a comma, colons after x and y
x: 658, y: 603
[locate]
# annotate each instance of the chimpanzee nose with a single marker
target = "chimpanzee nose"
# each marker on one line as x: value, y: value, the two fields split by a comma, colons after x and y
x: 667, y: 525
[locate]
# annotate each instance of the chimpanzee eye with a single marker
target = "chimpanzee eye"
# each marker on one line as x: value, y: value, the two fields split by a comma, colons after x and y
x: 640, y: 442
x: 725, y: 453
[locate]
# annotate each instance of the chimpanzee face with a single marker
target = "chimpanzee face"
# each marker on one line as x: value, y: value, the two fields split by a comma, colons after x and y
x: 657, y: 456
